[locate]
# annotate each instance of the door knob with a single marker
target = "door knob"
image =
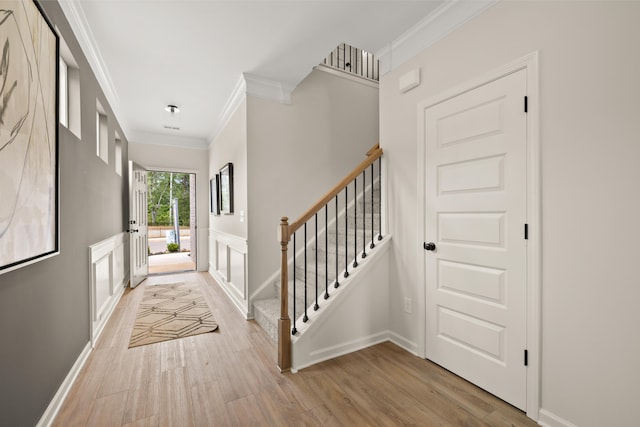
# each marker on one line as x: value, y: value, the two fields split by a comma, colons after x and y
x: 429, y: 246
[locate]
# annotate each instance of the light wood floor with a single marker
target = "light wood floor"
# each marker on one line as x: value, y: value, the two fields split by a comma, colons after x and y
x: 229, y: 378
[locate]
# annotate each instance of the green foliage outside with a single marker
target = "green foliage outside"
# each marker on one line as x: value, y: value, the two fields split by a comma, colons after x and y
x: 161, y: 188
x: 173, y: 247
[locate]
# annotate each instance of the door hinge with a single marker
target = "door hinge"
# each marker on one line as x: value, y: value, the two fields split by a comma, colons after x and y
x: 526, y: 104
x: 526, y: 232
x: 526, y: 358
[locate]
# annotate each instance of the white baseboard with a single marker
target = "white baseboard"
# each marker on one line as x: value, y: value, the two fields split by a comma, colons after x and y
x: 549, y: 419
x: 329, y: 353
x: 118, y: 281
x: 56, y: 403
x: 403, y: 343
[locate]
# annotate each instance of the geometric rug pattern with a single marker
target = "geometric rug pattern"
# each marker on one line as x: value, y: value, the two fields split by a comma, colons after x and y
x: 171, y: 311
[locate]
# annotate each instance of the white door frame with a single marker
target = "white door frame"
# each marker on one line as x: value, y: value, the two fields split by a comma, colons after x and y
x: 534, y: 247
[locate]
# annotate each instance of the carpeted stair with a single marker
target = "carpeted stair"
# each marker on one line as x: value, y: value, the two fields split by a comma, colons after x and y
x: 267, y: 311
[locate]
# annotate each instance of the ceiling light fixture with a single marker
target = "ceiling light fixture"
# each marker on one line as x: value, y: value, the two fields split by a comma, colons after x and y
x: 173, y: 109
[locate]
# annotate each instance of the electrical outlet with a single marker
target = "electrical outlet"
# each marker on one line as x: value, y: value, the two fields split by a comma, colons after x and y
x: 407, y: 305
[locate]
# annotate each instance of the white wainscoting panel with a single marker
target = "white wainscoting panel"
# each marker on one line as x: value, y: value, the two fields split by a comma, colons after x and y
x: 237, y: 264
x: 228, y: 265
x: 221, y: 259
x: 107, y: 281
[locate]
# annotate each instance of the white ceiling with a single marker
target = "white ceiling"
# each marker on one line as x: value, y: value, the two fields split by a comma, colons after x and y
x: 193, y: 53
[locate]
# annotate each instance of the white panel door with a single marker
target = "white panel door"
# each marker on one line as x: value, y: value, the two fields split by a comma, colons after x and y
x: 138, y: 223
x: 475, y: 248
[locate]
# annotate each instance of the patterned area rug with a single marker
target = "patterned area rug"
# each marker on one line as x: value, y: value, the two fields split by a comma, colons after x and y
x: 171, y: 311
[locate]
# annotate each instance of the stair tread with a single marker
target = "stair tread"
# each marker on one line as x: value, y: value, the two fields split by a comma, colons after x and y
x: 361, y: 229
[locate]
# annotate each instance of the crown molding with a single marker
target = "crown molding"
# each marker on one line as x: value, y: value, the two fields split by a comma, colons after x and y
x: 74, y: 13
x: 251, y: 84
x: 233, y: 102
x: 449, y: 16
x: 271, y: 90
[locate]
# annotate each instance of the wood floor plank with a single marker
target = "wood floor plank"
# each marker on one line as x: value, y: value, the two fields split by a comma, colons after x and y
x: 297, y: 386
x: 108, y: 411
x: 473, y: 399
x: 420, y: 391
x: 440, y: 382
x: 77, y: 406
x: 245, y: 411
x: 146, y: 422
x: 176, y: 408
x: 229, y: 378
x: 150, y: 365
x: 339, y: 402
x: 277, y: 405
x: 234, y: 381
x: 209, y: 407
x: 199, y: 365
x: 124, y: 373
x: 387, y: 396
x: 143, y: 402
x: 320, y: 416
x: 172, y: 355
x: 506, y: 416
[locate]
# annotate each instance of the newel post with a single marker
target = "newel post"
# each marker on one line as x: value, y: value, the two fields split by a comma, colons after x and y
x: 284, y: 323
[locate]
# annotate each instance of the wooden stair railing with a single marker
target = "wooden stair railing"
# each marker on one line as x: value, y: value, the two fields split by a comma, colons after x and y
x: 287, y: 230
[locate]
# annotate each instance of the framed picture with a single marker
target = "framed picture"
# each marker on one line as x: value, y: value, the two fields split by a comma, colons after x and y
x: 29, y: 213
x: 214, y: 191
x: 226, y: 189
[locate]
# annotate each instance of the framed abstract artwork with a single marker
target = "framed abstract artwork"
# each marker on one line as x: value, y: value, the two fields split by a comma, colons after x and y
x: 214, y: 191
x: 226, y: 189
x: 29, y: 178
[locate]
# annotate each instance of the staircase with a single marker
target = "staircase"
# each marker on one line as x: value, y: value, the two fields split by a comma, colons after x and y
x: 338, y: 241
x: 327, y: 243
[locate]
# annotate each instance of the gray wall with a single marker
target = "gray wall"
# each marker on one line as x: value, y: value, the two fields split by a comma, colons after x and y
x: 44, y: 307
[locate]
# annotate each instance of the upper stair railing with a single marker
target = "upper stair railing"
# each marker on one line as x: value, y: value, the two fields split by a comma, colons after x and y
x: 354, y: 61
x: 348, y: 227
